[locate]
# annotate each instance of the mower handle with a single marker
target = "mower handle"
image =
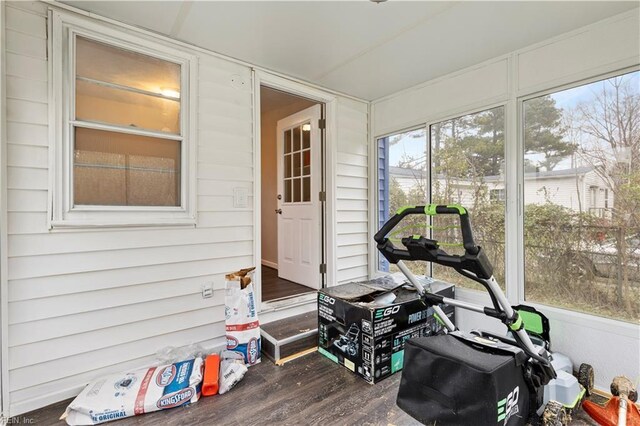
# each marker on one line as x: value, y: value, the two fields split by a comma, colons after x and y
x: 421, y: 248
x: 432, y: 210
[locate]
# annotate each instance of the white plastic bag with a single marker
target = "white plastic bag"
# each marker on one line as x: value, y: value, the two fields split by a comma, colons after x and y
x: 242, y: 325
x: 136, y: 392
x: 232, y: 370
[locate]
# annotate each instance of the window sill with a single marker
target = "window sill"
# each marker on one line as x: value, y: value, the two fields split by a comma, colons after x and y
x: 129, y: 221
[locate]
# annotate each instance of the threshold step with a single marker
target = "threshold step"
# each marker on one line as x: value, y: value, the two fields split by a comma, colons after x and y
x: 290, y: 338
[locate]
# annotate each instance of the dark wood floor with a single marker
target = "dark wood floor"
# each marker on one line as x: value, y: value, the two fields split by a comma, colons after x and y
x: 274, y: 287
x: 311, y: 390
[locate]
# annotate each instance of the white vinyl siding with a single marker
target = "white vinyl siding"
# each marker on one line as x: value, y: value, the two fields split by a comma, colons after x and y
x: 87, y: 302
x: 352, y: 183
x: 82, y: 304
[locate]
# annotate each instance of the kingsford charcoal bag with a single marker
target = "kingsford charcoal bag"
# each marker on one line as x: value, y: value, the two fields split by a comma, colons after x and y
x: 136, y: 392
x: 241, y: 317
x: 454, y: 380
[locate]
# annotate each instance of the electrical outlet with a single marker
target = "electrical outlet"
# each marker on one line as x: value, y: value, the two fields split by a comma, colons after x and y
x: 207, y: 290
x: 240, y: 198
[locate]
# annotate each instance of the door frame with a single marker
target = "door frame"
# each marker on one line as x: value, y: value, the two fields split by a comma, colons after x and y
x: 330, y: 101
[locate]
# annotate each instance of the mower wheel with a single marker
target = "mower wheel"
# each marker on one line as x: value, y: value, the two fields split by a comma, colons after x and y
x: 555, y: 415
x: 586, y: 377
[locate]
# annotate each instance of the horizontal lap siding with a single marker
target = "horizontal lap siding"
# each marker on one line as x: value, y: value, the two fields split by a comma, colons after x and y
x: 85, y: 303
x: 352, y: 183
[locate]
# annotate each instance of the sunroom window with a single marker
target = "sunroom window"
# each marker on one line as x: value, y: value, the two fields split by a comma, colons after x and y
x: 467, y: 168
x: 581, y: 198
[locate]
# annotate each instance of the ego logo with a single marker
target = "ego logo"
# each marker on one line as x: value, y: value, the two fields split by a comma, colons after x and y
x: 327, y: 299
x: 508, y: 406
x: 381, y: 313
x: 175, y: 399
x: 232, y: 342
x: 166, y: 375
x: 252, y: 350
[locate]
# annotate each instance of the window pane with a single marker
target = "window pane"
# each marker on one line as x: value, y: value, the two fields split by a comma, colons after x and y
x: 287, y: 166
x: 296, y: 164
x: 306, y: 158
x: 296, y: 190
x: 467, y: 155
x: 118, y: 86
x: 125, y: 170
x: 402, y: 180
x: 109, y: 64
x: 287, y: 191
x: 104, y: 104
x: 296, y: 138
x: 306, y: 189
x: 581, y: 195
x: 306, y: 136
x: 287, y: 141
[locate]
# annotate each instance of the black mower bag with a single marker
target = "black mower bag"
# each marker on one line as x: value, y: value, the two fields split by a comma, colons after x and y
x: 455, y: 380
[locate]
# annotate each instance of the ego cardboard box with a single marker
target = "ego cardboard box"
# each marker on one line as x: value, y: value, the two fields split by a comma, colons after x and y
x: 364, y: 325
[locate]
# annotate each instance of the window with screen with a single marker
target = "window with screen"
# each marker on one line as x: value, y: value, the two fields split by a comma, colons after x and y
x: 124, y: 156
x: 467, y: 168
x: 119, y: 93
x: 582, y: 198
x: 403, y: 179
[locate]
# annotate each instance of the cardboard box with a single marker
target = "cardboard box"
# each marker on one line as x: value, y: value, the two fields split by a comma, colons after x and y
x: 358, y: 330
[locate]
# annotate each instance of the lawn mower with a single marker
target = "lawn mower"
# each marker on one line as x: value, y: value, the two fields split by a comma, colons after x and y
x: 479, y: 377
x: 348, y: 342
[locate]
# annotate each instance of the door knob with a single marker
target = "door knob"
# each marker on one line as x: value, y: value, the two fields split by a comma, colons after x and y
x: 279, y: 211
x: 279, y: 196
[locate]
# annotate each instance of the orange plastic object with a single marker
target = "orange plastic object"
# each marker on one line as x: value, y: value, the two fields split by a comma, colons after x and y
x: 607, y: 415
x: 211, y: 370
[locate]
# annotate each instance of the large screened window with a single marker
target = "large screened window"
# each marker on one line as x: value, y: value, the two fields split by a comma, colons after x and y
x: 402, y: 180
x: 467, y: 168
x: 462, y: 164
x: 582, y: 198
x: 124, y: 153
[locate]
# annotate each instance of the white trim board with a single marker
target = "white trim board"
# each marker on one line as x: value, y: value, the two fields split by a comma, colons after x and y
x: 4, y: 285
x: 268, y: 263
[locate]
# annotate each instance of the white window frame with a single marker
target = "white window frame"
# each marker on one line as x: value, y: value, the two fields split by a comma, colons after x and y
x: 63, y: 31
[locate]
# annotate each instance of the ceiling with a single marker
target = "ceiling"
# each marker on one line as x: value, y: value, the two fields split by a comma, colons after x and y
x: 357, y: 47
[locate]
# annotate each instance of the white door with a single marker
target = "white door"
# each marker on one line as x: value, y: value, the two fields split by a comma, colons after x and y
x: 298, y: 192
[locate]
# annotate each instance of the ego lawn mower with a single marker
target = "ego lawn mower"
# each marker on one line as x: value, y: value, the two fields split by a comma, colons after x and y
x: 479, y: 377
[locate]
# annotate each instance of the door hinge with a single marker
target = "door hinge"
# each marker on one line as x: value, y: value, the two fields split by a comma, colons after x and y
x: 322, y: 123
x: 322, y: 196
x: 323, y: 268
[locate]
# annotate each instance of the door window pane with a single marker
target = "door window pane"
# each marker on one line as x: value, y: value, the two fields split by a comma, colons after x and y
x: 296, y: 190
x: 467, y: 158
x: 118, y: 169
x: 581, y: 196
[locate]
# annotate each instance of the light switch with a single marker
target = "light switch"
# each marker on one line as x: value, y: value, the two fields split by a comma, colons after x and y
x: 240, y: 198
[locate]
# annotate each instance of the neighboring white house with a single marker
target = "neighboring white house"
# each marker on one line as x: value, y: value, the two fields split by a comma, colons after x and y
x: 578, y: 189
